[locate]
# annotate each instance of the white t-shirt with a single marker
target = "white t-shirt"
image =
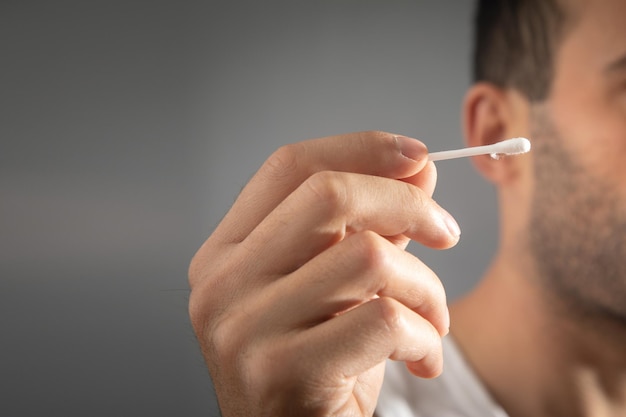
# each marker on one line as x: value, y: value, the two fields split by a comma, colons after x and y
x: 457, y: 392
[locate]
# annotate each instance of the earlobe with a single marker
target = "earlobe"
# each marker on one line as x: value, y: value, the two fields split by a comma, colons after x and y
x: 488, y: 117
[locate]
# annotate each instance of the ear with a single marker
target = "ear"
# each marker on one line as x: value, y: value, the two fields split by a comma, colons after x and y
x: 490, y: 114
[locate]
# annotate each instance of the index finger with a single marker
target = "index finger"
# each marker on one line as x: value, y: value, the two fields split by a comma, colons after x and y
x: 372, y: 153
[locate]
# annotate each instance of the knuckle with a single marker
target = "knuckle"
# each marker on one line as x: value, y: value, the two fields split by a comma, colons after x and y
x: 329, y: 188
x: 283, y: 162
x: 209, y: 257
x: 195, y: 314
x: 222, y: 338
x: 416, y: 197
x: 369, y: 135
x: 201, y: 313
x: 225, y: 343
x: 381, y: 139
x: 211, y: 293
x: 194, y: 271
x: 390, y: 315
x: 387, y: 139
x: 234, y: 349
x: 371, y: 252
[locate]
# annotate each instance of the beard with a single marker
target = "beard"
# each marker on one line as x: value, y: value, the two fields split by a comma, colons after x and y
x: 577, y: 233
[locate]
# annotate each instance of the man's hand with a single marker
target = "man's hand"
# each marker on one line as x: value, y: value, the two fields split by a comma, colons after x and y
x: 305, y: 289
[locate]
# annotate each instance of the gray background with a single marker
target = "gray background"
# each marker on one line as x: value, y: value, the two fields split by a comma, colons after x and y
x: 128, y: 128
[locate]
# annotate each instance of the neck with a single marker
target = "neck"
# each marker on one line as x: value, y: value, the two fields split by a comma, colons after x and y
x: 533, y: 358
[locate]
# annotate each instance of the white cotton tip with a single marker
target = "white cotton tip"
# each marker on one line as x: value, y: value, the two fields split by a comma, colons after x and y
x: 514, y: 146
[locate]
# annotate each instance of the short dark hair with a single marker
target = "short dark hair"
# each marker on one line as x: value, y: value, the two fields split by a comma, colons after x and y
x: 514, y: 44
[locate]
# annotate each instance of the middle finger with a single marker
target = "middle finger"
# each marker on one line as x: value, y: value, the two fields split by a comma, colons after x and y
x: 350, y: 273
x: 330, y: 205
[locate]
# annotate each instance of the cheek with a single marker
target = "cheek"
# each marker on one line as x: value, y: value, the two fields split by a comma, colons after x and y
x: 595, y: 136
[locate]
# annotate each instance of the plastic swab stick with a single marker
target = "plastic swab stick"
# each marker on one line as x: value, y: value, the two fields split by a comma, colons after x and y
x: 512, y: 146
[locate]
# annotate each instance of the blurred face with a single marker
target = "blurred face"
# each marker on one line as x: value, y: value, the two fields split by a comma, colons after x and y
x: 578, y: 223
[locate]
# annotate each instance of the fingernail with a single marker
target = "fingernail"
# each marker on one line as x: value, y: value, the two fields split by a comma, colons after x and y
x: 451, y: 224
x: 411, y: 148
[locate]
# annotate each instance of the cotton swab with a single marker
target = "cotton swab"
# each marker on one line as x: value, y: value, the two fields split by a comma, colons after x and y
x: 512, y: 146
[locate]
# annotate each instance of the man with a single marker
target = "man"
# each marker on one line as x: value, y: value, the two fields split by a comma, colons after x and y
x: 304, y: 290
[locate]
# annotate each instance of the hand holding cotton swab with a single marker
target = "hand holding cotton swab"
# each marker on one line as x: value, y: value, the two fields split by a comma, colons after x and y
x: 513, y: 146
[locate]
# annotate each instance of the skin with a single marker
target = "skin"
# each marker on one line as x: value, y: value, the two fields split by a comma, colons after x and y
x: 546, y: 328
x: 304, y: 289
